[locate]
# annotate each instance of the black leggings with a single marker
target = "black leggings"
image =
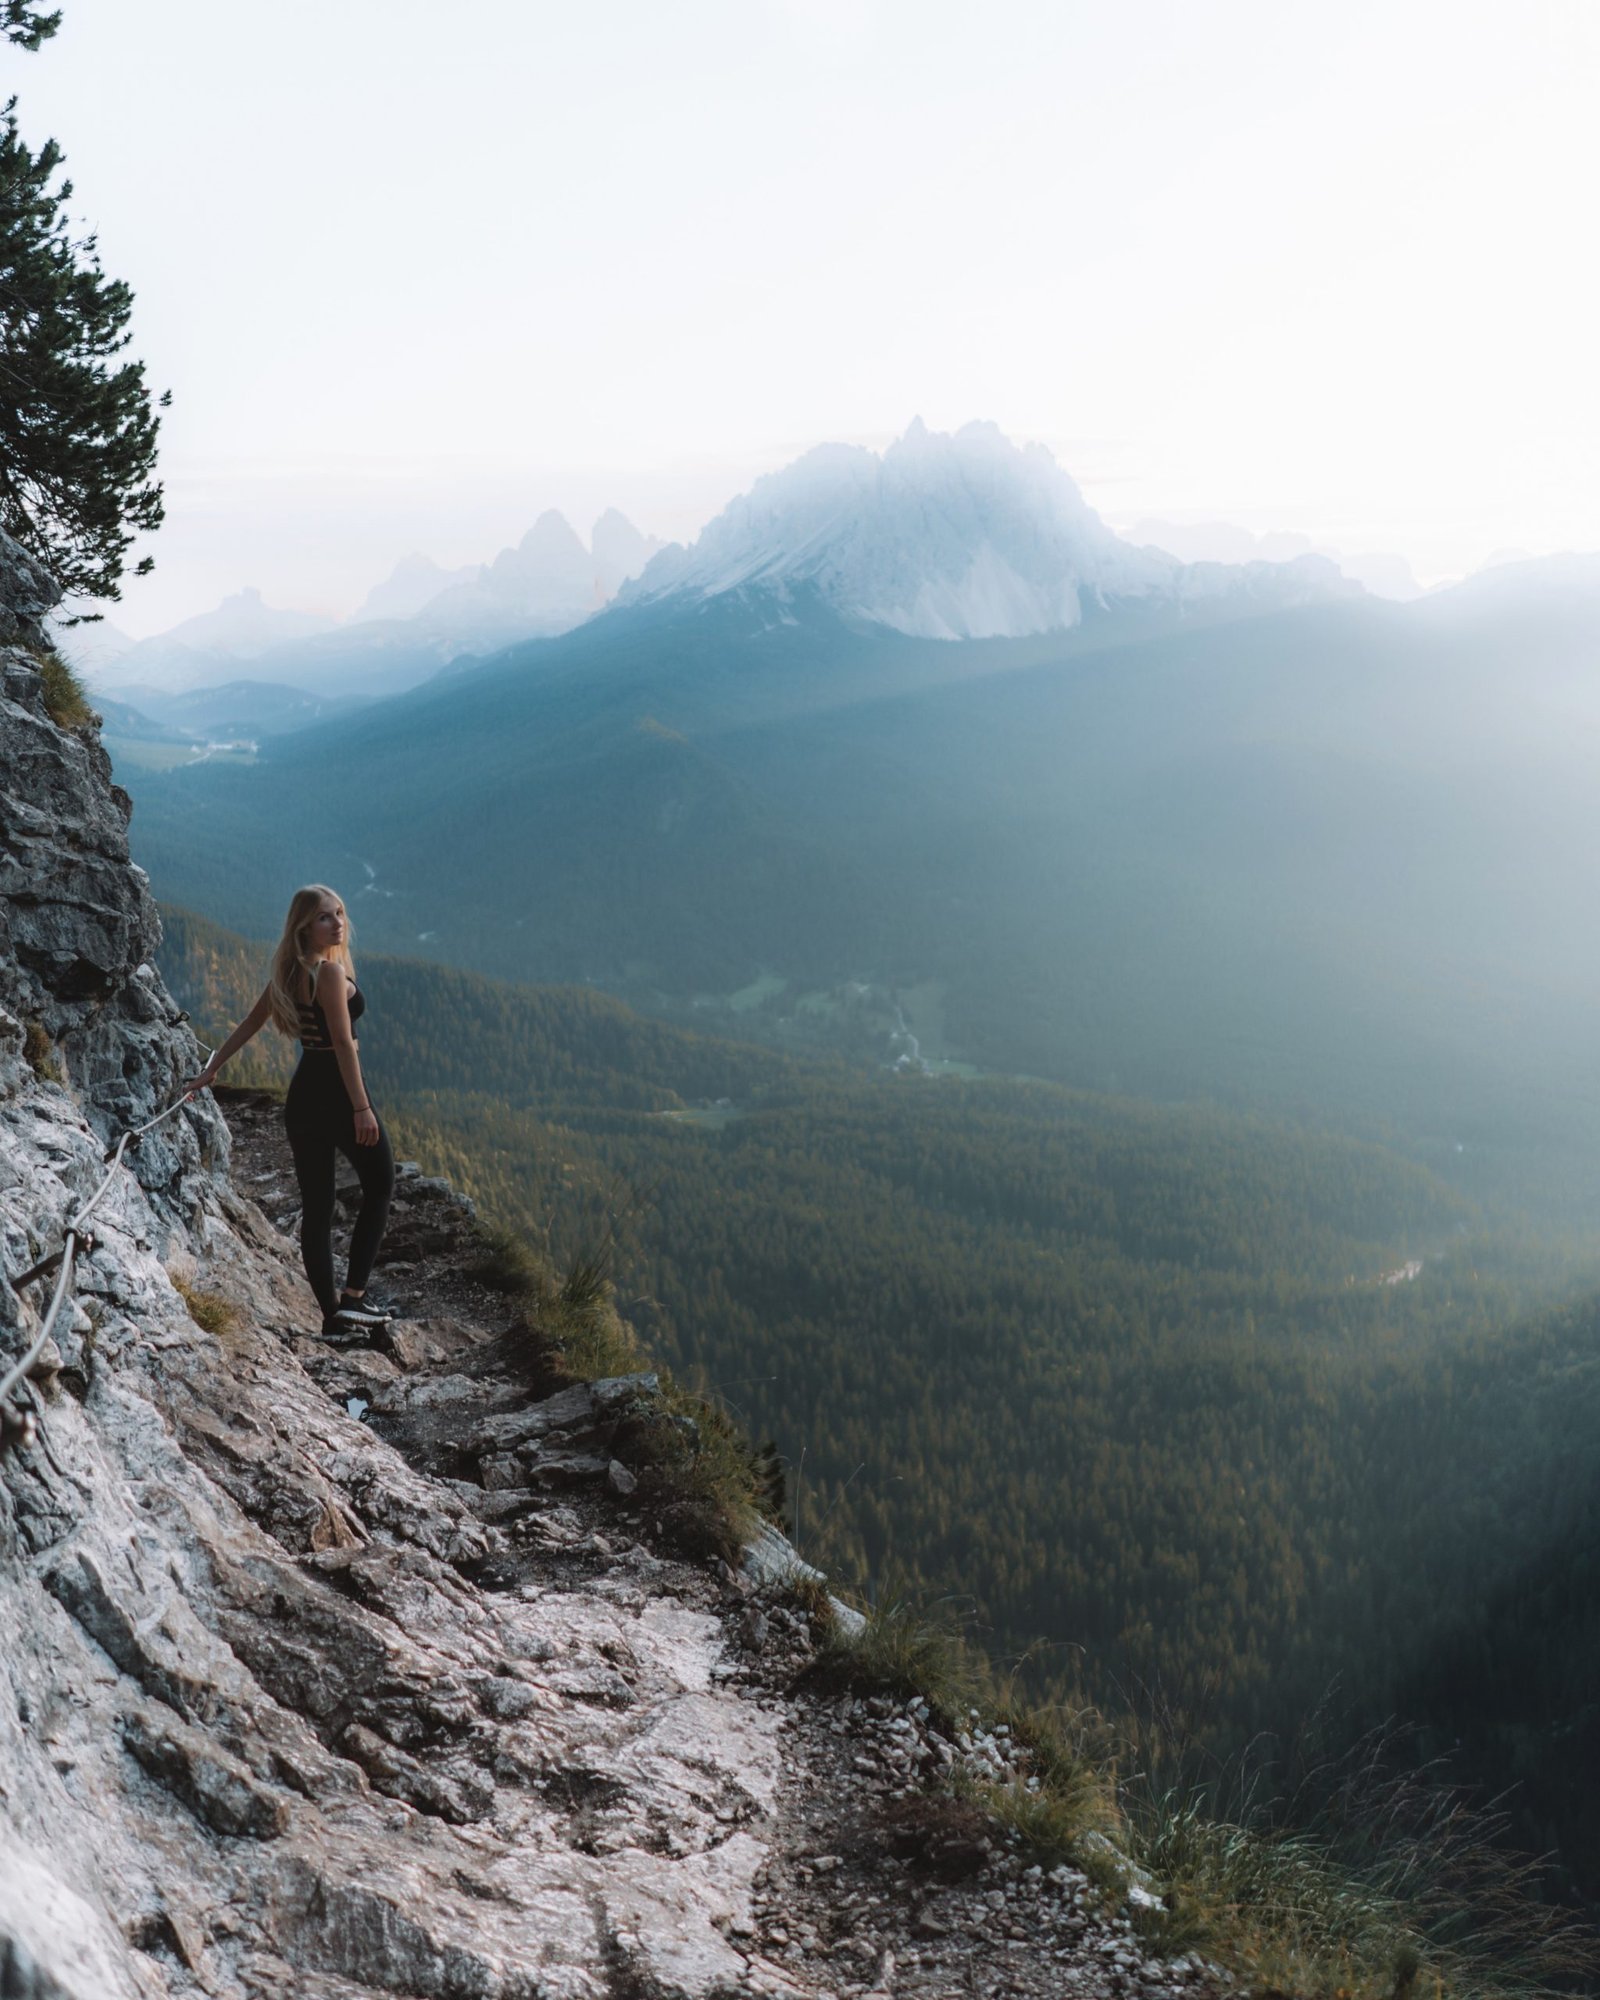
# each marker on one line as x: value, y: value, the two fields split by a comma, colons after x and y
x: 320, y: 1124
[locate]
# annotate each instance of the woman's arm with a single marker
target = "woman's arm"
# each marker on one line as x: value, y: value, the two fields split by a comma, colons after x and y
x: 250, y: 1026
x: 334, y: 1000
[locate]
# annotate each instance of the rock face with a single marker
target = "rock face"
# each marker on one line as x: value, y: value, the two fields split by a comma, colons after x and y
x: 338, y: 1674
x: 27, y: 596
x: 258, y: 1732
x: 77, y: 921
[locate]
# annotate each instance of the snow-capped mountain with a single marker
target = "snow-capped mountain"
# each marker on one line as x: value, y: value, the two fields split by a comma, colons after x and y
x: 948, y: 536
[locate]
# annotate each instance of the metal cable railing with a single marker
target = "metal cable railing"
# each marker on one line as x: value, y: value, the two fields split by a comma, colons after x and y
x: 76, y: 1240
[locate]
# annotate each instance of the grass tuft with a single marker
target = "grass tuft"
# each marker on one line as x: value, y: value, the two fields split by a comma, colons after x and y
x: 1064, y: 1807
x: 65, y: 698
x: 506, y: 1264
x: 811, y: 1597
x: 1392, y: 1886
x: 209, y: 1310
x: 705, y: 1484
x: 39, y: 1052
x: 904, y: 1652
x: 1061, y: 1804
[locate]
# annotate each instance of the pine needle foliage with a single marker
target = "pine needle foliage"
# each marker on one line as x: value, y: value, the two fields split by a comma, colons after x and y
x: 26, y: 25
x: 78, y: 425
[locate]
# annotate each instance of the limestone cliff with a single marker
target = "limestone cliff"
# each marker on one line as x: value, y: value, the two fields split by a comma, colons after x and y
x: 335, y: 1675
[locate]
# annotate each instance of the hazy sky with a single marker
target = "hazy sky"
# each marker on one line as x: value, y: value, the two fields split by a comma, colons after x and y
x: 414, y: 272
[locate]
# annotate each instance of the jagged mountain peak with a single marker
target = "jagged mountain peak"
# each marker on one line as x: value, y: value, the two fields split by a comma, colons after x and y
x: 944, y: 535
x: 552, y: 532
x: 620, y: 550
x: 414, y: 582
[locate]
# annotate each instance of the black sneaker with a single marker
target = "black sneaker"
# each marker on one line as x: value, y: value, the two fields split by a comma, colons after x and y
x: 372, y: 1300
x: 347, y: 1327
x: 365, y: 1311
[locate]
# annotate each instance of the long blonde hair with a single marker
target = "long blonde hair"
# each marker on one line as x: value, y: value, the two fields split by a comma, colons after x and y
x: 293, y: 956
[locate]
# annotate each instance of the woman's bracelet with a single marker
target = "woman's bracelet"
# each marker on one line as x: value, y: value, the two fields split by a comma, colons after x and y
x: 363, y: 1107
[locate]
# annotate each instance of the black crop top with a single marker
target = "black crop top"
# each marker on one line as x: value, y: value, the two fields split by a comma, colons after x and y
x: 314, y: 1023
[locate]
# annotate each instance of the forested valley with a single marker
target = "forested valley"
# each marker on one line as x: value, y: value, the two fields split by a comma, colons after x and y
x: 1184, y: 1411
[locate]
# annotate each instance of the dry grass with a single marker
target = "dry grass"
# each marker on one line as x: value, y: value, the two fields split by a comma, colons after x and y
x: 905, y: 1652
x: 39, y: 1052
x: 209, y: 1310
x: 1064, y: 1806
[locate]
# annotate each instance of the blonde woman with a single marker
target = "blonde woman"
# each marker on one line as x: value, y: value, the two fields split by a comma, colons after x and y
x: 312, y: 994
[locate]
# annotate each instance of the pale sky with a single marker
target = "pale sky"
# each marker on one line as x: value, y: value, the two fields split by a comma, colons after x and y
x: 414, y: 273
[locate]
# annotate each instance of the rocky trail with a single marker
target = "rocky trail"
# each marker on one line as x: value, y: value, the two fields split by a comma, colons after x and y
x: 872, y: 1877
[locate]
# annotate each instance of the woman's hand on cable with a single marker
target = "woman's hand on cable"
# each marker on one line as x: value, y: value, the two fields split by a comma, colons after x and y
x: 367, y: 1127
x: 204, y: 1080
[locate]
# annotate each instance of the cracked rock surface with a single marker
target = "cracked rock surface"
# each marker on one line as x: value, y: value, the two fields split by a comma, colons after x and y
x: 337, y: 1673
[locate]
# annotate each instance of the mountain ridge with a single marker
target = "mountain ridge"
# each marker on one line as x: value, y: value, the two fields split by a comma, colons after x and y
x: 415, y: 621
x: 948, y: 536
